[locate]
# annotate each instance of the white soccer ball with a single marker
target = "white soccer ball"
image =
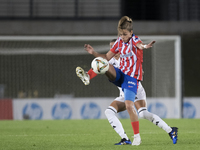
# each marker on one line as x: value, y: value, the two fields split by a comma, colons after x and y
x: 100, y: 65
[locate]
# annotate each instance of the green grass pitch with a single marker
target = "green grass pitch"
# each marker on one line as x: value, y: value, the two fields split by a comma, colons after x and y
x: 94, y: 135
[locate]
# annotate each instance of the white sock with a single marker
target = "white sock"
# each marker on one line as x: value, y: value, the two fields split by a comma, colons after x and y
x: 143, y: 113
x: 110, y: 113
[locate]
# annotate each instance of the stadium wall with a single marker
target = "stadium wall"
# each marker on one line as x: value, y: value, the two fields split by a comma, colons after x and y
x: 86, y: 108
x: 87, y: 27
x: 6, y: 109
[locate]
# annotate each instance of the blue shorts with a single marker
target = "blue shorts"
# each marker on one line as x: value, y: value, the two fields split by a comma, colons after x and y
x: 128, y: 84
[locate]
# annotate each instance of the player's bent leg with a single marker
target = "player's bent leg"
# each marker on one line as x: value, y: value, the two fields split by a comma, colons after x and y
x: 110, y: 113
x: 83, y: 75
x: 172, y: 131
x: 143, y: 113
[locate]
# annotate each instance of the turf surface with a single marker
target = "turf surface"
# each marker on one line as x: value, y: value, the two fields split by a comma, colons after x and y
x: 94, y: 135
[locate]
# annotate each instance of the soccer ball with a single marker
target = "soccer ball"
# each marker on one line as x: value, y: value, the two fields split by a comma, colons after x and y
x: 100, y: 65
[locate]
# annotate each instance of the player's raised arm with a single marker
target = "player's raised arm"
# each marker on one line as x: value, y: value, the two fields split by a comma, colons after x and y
x: 141, y: 45
x: 89, y: 48
x: 91, y: 51
x: 110, y: 55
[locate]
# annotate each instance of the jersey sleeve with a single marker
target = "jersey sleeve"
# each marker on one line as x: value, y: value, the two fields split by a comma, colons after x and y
x: 136, y: 39
x: 115, y: 48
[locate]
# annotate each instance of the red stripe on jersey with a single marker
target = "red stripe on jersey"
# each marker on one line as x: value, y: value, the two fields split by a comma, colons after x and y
x: 127, y: 65
x: 130, y: 57
x: 121, y: 63
x: 140, y: 57
x: 141, y: 75
x: 137, y: 68
x: 114, y: 48
x: 131, y: 68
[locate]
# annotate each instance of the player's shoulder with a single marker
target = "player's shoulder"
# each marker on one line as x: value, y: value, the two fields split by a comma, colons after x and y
x: 135, y: 38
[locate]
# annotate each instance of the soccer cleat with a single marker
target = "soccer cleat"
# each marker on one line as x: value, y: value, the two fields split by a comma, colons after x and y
x: 83, y: 75
x: 123, y: 142
x: 137, y: 140
x: 174, y: 134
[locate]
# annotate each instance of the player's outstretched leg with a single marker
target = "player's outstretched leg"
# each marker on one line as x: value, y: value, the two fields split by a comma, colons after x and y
x: 172, y: 131
x: 174, y: 134
x: 83, y: 75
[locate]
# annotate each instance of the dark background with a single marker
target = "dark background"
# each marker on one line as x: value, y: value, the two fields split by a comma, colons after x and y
x: 34, y: 17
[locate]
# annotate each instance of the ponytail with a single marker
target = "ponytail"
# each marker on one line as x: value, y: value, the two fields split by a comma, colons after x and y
x: 125, y: 23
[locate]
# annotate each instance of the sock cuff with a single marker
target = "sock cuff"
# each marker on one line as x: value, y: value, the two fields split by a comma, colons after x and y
x: 141, y: 109
x: 112, y: 108
x: 91, y: 73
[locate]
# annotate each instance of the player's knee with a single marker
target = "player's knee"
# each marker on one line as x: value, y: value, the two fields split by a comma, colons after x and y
x: 130, y: 108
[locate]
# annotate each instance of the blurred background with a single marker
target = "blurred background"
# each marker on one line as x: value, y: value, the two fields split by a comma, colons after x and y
x: 34, y: 69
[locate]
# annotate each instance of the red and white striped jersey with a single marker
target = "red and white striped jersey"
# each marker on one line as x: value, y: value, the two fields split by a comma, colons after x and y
x: 131, y: 57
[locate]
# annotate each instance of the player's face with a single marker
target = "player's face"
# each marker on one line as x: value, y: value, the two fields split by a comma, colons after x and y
x: 125, y: 35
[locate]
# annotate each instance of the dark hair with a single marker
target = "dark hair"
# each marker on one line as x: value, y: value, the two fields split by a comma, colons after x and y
x: 113, y: 40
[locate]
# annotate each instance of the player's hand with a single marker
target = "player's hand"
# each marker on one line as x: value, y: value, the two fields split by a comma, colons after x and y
x: 150, y: 44
x: 89, y: 48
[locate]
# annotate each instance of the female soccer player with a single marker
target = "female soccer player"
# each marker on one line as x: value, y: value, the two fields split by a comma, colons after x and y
x: 130, y: 70
x: 118, y: 105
